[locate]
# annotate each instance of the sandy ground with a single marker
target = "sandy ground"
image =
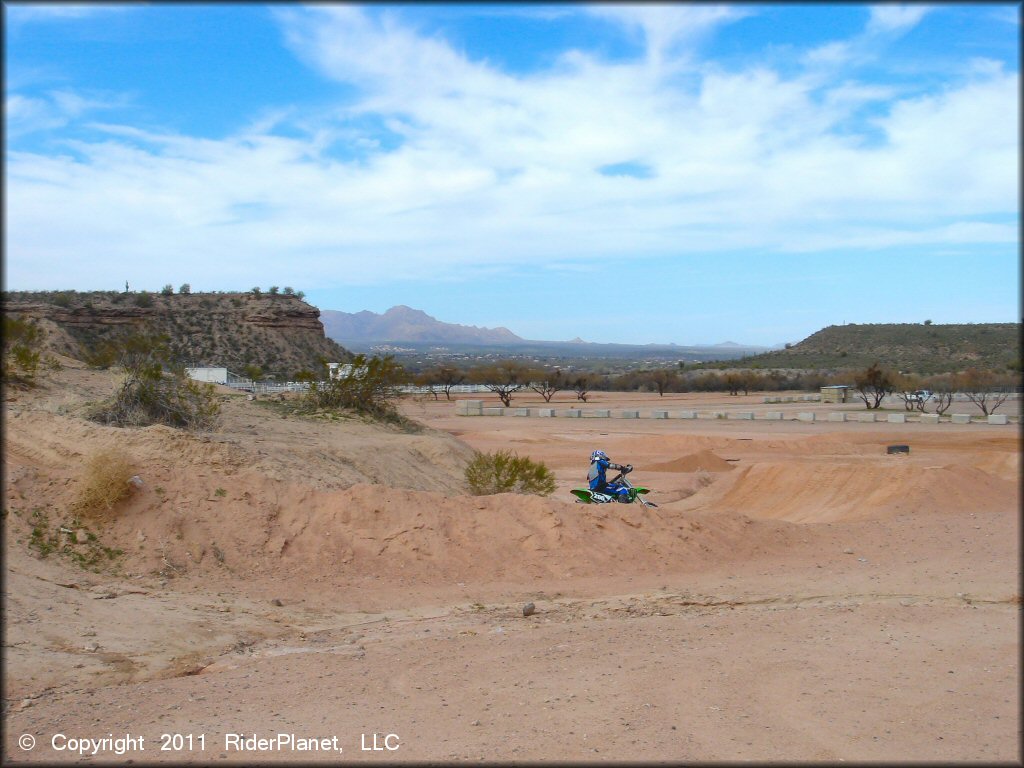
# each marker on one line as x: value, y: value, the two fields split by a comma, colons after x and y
x: 797, y: 595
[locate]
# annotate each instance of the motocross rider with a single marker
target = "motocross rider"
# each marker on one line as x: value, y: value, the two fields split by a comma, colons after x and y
x: 597, y: 476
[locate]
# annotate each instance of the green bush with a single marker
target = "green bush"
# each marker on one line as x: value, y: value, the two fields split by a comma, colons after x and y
x: 22, y: 342
x: 143, y: 300
x: 369, y: 387
x: 505, y: 472
x: 63, y: 298
x: 156, y: 390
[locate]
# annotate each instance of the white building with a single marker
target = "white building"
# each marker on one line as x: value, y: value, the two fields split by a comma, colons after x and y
x: 215, y: 375
x: 343, y: 371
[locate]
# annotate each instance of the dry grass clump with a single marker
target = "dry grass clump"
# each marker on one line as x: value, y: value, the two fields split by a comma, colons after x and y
x: 505, y: 472
x: 106, y: 480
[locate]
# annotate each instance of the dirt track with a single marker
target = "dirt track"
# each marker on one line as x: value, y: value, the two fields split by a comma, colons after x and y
x: 798, y: 594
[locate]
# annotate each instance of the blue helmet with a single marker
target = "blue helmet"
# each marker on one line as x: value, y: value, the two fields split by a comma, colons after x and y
x: 598, y: 455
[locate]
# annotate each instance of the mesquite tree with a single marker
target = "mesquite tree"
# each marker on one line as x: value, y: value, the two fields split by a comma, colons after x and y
x: 872, y: 385
x: 503, y: 378
x: 547, y: 383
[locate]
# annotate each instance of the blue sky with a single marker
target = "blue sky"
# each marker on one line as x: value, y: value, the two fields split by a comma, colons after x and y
x: 684, y: 173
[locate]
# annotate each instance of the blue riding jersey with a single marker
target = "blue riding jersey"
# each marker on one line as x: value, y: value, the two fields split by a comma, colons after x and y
x: 597, y: 477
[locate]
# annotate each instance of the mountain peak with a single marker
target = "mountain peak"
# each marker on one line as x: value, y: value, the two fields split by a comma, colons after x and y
x: 402, y: 323
x: 401, y: 310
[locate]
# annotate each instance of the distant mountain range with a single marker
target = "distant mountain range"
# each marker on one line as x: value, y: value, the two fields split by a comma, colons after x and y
x: 405, y: 325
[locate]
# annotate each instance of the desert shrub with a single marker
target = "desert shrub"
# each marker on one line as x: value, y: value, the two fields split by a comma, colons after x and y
x: 156, y: 390
x: 143, y: 300
x: 105, y: 481
x: 167, y: 290
x: 22, y: 345
x: 101, y: 354
x: 505, y: 472
x: 185, y: 289
x: 369, y: 387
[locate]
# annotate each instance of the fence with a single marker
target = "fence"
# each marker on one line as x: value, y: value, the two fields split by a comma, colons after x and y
x: 477, y: 408
x: 267, y: 387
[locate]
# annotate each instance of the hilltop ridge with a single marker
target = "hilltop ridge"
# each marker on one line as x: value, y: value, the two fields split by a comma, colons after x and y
x: 924, y: 348
x: 280, y: 333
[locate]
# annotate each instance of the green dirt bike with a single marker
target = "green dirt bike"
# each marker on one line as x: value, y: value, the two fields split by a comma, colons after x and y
x: 635, y: 492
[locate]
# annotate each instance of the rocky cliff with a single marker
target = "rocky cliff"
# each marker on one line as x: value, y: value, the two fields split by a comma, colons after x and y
x: 279, y: 333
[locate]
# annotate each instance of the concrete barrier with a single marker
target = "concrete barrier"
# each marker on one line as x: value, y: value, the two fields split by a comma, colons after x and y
x: 960, y: 418
x: 774, y: 415
x: 685, y: 415
x: 998, y: 418
x: 546, y: 412
x: 837, y: 416
x: 630, y: 415
x: 929, y: 418
x: 805, y: 416
x: 771, y: 399
x: 896, y: 418
x: 520, y: 411
x: 868, y: 416
x: 597, y: 413
x: 741, y: 415
x: 469, y: 407
x: 494, y: 411
x: 787, y: 399
x: 711, y: 415
x: 570, y: 413
x: 659, y: 414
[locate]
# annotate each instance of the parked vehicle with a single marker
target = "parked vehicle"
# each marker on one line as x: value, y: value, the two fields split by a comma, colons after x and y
x: 920, y: 396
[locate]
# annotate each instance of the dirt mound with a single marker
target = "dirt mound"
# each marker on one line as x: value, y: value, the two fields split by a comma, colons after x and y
x: 290, y: 535
x: 695, y: 462
x: 818, y: 492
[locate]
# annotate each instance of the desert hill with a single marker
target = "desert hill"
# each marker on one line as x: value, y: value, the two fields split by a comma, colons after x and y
x: 911, y: 347
x: 403, y: 323
x: 280, y: 333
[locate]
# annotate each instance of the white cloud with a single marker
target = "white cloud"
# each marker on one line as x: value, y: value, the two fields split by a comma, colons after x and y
x: 671, y: 28
x: 895, y: 18
x: 22, y: 13
x: 49, y: 110
x: 885, y: 23
x: 495, y: 169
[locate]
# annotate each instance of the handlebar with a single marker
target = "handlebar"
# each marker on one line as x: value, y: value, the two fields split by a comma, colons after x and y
x: 622, y: 473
